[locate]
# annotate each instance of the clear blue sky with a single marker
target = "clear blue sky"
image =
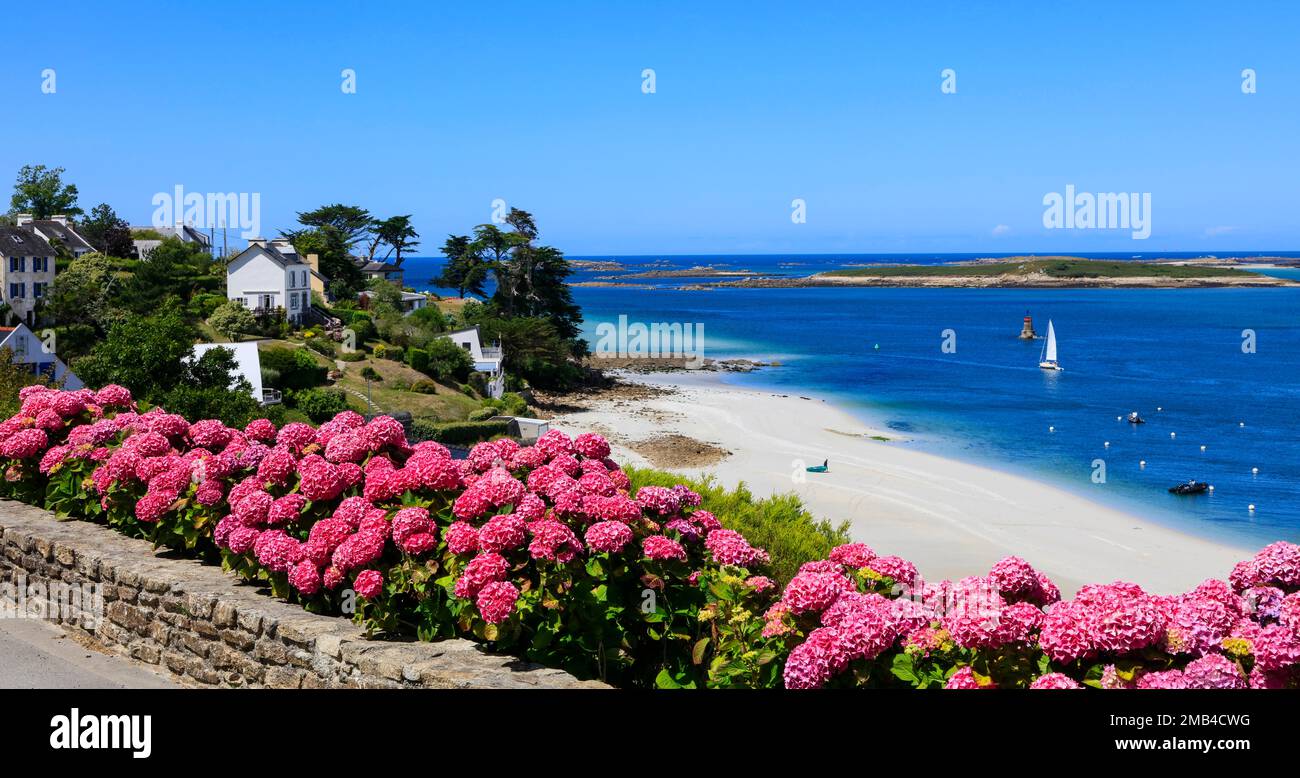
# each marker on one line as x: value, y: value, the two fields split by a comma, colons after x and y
x: 756, y: 104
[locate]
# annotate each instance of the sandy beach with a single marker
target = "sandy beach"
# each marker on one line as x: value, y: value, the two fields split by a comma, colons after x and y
x: 950, y: 518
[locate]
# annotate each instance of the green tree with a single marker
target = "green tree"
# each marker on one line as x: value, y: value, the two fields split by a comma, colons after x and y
x: 399, y: 235
x: 214, y: 389
x: 231, y: 319
x: 83, y: 293
x: 41, y: 192
x: 448, y: 361
x: 466, y: 267
x: 173, y: 268
x: 106, y: 232
x: 331, y: 232
x: 534, y: 284
x: 146, y: 354
x: 385, y: 297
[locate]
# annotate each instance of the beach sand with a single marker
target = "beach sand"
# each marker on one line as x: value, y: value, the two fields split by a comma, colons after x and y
x: 950, y: 518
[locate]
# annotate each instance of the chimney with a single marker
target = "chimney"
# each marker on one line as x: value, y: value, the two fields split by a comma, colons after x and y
x: 60, y: 218
x: 313, y: 260
x: 257, y: 242
x: 23, y: 218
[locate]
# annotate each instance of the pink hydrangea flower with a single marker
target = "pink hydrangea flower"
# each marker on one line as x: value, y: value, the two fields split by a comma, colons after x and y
x: 815, y: 590
x: 552, y: 541
x: 369, y: 584
x: 591, y: 445
x: 854, y: 555
x: 502, y: 533
x: 275, y: 550
x: 462, y: 538
x: 895, y: 568
x: 661, y: 547
x: 483, y: 569
x: 1054, y: 681
x: 1214, y: 671
x: 306, y: 578
x: 1168, y: 679
x: 965, y: 679
x: 728, y: 547
x: 608, y: 537
x: 496, y: 601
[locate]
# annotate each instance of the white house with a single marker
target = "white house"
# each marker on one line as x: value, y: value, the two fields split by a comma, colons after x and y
x: 486, y: 360
x: 414, y: 301
x: 26, y: 270
x: 30, y: 350
x: 250, y: 367
x: 268, y: 275
x: 56, y: 231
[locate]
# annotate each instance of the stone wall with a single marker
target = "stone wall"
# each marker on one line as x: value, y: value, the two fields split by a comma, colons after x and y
x: 202, y: 626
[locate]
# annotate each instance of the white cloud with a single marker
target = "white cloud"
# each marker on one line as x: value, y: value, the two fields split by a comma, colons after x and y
x: 1001, y: 229
x: 1211, y: 232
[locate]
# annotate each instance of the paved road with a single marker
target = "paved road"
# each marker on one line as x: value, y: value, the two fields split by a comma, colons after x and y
x: 36, y: 654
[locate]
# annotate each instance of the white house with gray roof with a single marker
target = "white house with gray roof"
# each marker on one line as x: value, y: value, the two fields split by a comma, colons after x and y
x: 268, y: 275
x: 26, y: 270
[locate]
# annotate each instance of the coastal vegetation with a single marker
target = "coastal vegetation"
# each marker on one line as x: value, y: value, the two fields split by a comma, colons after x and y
x: 550, y: 552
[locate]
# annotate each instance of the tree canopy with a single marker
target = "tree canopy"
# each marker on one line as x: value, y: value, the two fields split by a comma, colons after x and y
x: 41, y: 192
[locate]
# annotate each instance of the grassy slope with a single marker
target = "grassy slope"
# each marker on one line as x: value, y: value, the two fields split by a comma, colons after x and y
x: 1056, y: 267
x: 448, y: 404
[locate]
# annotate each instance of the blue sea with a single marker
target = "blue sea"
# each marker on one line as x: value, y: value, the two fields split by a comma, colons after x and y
x: 1175, y: 356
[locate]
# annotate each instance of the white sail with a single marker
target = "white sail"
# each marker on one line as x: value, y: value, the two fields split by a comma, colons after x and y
x: 1050, y: 355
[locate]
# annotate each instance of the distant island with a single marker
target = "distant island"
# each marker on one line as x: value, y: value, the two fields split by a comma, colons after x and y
x: 1028, y: 272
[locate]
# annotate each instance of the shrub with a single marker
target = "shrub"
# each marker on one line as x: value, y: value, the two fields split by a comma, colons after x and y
x: 425, y: 386
x: 351, y: 356
x: 290, y: 368
x: 319, y: 404
x: 460, y: 433
x: 362, y: 326
x: 508, y: 404
x: 395, y: 353
x: 370, y: 374
x: 418, y: 359
x: 447, y: 361
x: 322, y: 346
x: 482, y: 414
x: 380, y: 351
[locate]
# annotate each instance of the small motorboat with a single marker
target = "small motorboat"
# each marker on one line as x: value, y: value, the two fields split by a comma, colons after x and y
x: 1191, y: 487
x: 1134, y: 418
x: 822, y: 468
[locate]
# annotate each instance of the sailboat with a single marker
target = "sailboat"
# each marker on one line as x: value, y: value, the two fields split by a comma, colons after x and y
x: 1047, y: 360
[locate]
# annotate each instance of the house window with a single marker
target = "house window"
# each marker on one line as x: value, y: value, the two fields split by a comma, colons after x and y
x: 17, y: 264
x: 40, y: 264
x: 293, y: 301
x: 38, y: 290
x: 17, y: 291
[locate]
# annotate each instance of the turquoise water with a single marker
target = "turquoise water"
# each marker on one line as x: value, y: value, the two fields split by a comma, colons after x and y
x: 1175, y: 356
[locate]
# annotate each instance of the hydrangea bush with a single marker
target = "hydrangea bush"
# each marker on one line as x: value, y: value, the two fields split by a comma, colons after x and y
x: 544, y: 552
